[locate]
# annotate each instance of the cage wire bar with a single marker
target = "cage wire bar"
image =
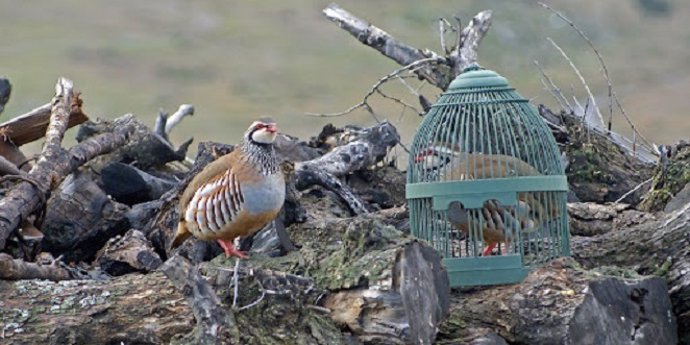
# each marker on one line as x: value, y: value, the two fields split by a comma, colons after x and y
x: 484, y: 172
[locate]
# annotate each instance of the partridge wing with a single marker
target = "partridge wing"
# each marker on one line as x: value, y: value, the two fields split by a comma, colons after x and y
x: 216, y: 203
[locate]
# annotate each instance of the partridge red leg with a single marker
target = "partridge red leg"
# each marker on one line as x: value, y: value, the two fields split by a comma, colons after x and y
x: 487, y: 251
x: 230, y: 250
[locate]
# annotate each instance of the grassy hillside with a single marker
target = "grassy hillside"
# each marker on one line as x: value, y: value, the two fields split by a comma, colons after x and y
x: 236, y: 61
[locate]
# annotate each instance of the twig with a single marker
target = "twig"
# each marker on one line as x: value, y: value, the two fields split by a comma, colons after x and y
x: 553, y: 88
x: 601, y: 59
x: 442, y: 34
x: 397, y: 100
x: 258, y: 300
x: 633, y: 190
x: 582, y: 79
x: 374, y: 88
x: 612, y: 94
x: 236, y: 279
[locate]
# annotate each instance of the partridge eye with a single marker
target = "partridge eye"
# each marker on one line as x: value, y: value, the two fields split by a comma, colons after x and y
x: 260, y: 126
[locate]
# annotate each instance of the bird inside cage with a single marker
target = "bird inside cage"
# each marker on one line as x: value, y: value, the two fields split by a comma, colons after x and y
x: 495, y: 222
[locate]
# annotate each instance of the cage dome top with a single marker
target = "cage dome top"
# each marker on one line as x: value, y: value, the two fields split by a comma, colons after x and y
x: 476, y: 77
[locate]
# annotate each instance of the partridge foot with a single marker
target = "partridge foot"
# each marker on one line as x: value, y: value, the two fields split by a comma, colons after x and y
x: 230, y: 249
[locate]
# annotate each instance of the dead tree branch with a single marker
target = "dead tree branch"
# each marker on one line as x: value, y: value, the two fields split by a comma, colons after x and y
x: 53, y: 164
x: 32, y: 126
x: 582, y: 79
x: 15, y: 269
x: 412, y: 67
x: 612, y: 94
x: 439, y: 74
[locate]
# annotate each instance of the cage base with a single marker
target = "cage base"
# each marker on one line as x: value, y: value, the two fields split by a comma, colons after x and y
x: 489, y: 270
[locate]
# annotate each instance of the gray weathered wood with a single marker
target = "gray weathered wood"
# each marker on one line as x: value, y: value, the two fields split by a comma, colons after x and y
x: 213, y: 324
x: 444, y: 68
x: 564, y: 304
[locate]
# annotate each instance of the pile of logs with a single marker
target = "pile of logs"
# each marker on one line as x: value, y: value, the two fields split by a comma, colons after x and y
x: 85, y: 234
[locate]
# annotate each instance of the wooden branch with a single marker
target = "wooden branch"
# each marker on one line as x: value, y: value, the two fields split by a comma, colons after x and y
x: 174, y: 119
x: 129, y: 253
x: 145, y: 149
x: 308, y: 177
x: 441, y: 70
x: 32, y: 126
x: 53, y: 164
x: 97, y: 145
x: 383, y: 42
x: 214, y: 324
x: 466, y: 52
x: 370, y: 148
x: 15, y: 269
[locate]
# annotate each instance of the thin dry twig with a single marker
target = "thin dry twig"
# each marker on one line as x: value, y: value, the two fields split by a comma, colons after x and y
x: 553, y: 88
x: 633, y: 190
x: 364, y: 103
x: 579, y: 75
x: 612, y: 94
x: 604, y: 69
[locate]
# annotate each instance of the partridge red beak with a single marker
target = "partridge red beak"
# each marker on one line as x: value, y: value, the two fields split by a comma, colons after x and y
x: 272, y: 128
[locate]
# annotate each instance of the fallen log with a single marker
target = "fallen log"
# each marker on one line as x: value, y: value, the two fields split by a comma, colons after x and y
x: 214, y: 325
x: 53, y: 164
x: 599, y: 170
x: 657, y: 245
x: 80, y: 219
x: 15, y: 269
x: 148, y: 309
x: 564, y: 304
x: 590, y: 219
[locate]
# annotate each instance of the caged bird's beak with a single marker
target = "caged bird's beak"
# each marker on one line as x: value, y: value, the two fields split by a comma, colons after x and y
x: 419, y: 158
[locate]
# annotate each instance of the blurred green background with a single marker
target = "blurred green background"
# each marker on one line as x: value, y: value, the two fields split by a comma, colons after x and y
x: 236, y: 61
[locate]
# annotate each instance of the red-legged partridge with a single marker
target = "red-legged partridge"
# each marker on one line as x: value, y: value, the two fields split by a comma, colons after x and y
x: 470, y: 166
x: 236, y: 195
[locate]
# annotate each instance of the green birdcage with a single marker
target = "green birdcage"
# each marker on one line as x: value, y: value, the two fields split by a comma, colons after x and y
x: 485, y: 183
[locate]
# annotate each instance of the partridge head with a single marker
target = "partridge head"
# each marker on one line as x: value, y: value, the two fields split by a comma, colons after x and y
x: 237, y: 194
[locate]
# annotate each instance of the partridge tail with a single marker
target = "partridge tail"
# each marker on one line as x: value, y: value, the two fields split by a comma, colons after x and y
x: 181, y: 235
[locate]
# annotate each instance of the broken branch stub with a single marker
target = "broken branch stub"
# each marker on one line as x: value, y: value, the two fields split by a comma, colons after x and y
x: 439, y: 72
